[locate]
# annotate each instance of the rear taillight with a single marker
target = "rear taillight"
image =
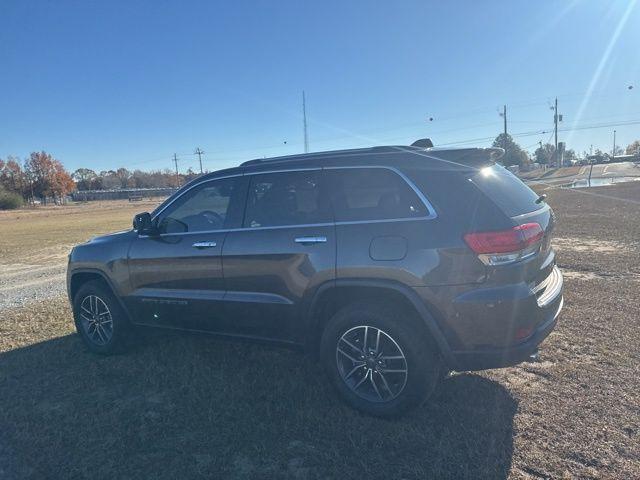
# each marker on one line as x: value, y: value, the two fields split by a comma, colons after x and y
x: 506, y: 246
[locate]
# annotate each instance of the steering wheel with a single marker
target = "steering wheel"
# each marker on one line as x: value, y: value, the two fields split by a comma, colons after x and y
x: 213, y: 218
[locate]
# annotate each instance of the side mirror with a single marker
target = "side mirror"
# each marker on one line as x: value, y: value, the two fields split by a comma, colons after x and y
x: 143, y: 225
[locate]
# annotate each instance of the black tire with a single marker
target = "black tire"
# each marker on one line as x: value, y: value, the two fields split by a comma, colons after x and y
x: 121, y: 332
x: 422, y: 360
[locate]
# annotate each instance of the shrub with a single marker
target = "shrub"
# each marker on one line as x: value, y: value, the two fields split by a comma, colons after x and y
x: 10, y: 200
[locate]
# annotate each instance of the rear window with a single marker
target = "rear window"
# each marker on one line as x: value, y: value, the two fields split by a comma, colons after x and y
x: 506, y: 190
x: 364, y: 194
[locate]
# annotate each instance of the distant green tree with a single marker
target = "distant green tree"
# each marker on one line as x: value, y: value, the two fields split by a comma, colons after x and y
x: 84, y: 178
x: 544, y: 154
x: 9, y: 200
x: 513, y: 154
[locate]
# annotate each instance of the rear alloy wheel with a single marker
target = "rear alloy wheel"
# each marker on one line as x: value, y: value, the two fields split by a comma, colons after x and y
x: 379, y: 358
x: 371, y: 363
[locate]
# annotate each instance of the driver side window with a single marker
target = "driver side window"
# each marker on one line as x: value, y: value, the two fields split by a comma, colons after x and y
x: 210, y: 206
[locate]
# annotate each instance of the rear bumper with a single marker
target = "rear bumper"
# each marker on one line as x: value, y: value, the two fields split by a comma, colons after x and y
x: 498, y: 321
x: 506, y: 357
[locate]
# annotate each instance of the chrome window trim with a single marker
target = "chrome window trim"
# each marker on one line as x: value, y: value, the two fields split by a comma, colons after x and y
x: 279, y: 227
x: 244, y: 229
x: 432, y: 212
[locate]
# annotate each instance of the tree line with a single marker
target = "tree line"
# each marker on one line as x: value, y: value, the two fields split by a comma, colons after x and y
x: 122, y: 178
x: 41, y: 176
x: 545, y: 153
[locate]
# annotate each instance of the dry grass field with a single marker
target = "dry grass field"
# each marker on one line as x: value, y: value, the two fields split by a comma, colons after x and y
x: 26, y: 232
x: 34, y: 244
x: 183, y: 406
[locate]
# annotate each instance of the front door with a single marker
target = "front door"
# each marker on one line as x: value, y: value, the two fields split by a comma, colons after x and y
x: 176, y: 275
x: 284, y: 251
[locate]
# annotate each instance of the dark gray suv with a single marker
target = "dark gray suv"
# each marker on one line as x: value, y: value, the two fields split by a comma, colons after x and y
x: 395, y: 265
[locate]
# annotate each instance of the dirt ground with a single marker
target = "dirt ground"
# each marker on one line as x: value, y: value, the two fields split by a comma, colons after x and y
x: 182, y: 406
x: 34, y: 244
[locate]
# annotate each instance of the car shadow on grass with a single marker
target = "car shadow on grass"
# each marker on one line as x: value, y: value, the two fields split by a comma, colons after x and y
x: 192, y: 407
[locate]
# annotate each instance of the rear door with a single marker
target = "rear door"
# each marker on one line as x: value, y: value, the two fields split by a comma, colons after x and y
x: 384, y: 229
x: 284, y: 251
x: 177, y: 275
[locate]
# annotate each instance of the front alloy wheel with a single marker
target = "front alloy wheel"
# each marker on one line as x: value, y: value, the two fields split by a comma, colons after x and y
x: 96, y: 320
x: 100, y: 320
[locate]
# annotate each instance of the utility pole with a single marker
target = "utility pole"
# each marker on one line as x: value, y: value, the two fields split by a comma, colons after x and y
x: 504, y: 117
x: 199, y: 153
x: 555, y: 127
x: 304, y: 123
x: 175, y: 161
x: 613, y: 153
x: 591, y: 150
x: 504, y: 114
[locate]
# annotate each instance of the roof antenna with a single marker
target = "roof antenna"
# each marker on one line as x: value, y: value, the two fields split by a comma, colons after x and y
x: 423, y: 143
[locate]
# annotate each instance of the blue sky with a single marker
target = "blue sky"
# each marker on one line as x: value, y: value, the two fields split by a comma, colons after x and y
x: 115, y: 83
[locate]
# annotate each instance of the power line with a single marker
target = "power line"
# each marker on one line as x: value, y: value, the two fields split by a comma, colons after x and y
x: 459, y: 142
x: 327, y: 139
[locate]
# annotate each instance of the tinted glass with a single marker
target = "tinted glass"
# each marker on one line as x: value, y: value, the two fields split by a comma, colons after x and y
x: 206, y: 207
x: 287, y: 198
x: 506, y: 190
x: 372, y: 194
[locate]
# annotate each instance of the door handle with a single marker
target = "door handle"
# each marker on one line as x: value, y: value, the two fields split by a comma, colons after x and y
x: 204, y: 245
x: 308, y: 240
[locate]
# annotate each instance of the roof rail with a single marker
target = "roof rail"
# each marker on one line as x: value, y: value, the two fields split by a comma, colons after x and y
x: 332, y: 153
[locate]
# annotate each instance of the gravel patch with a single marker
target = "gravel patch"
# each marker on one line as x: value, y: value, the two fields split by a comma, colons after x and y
x: 21, y: 283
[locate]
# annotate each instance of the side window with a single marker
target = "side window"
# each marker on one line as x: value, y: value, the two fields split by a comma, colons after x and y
x: 372, y: 194
x: 210, y: 206
x: 287, y: 198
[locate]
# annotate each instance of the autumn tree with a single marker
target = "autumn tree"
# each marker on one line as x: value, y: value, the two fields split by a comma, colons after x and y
x: 48, y: 176
x: 12, y: 177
